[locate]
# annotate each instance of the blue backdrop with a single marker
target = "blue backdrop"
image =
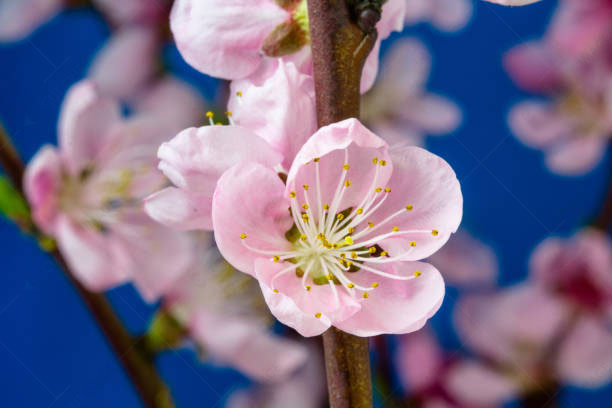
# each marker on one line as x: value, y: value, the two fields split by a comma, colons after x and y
x: 51, y: 352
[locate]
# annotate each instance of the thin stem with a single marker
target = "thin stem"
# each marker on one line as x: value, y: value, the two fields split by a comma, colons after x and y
x: 138, y: 364
x: 339, y: 51
x: 603, y: 221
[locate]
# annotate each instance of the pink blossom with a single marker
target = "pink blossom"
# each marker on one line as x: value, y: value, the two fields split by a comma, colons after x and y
x: 212, y: 35
x: 18, y: 18
x: 420, y: 361
x: 87, y: 193
x: 124, y: 12
x: 398, y: 107
x: 353, y: 207
x: 263, y: 130
x: 224, y: 313
x: 466, y: 262
x: 446, y: 15
x: 512, y: 2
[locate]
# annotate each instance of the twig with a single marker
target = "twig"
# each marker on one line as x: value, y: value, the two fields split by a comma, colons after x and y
x: 137, y: 364
x: 339, y: 51
x: 603, y: 221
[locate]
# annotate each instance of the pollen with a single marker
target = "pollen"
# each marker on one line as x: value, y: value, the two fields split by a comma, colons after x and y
x: 348, y: 240
x: 308, y: 288
x: 375, y: 284
x: 209, y: 115
x: 305, y: 206
x: 342, y: 255
x: 350, y: 285
x: 359, y: 211
x: 417, y: 274
x: 370, y: 224
x: 409, y: 207
x: 340, y: 217
x: 326, y: 206
x: 387, y: 190
x: 292, y: 194
x: 375, y: 160
x: 316, y: 159
x: 318, y: 315
x: 243, y: 235
x: 395, y: 229
x: 239, y: 93
x: 383, y: 253
x: 303, y: 237
x: 346, y: 166
x: 349, y: 263
x: 229, y: 114
x: 329, y: 277
x: 413, y: 244
x: 434, y: 233
x: 275, y: 290
x: 354, y: 255
x: 305, y: 187
x: 276, y: 258
x: 378, y: 189
x: 372, y: 250
x: 366, y: 295
x: 347, y: 183
x: 383, y: 163
x: 351, y: 230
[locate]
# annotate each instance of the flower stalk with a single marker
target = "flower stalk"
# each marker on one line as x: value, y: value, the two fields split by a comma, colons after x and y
x: 129, y: 349
x: 339, y: 50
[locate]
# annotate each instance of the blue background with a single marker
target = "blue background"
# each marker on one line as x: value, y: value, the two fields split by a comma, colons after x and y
x: 51, y: 352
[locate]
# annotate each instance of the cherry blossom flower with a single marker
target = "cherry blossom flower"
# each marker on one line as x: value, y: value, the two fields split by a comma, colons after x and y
x: 577, y: 271
x: 398, y: 107
x: 87, y: 195
x: 345, y: 254
x: 263, y: 117
x: 512, y: 2
x: 212, y: 36
x: 446, y: 15
x: 128, y: 12
x: 435, y: 378
x: 18, y: 18
x: 224, y: 312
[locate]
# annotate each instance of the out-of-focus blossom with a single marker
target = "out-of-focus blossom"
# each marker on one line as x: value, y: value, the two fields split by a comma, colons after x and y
x: 18, y: 18
x: 466, y: 262
x: 446, y: 15
x: 512, y: 2
x: 127, y: 12
x: 87, y: 195
x: 224, y: 312
x: 574, y: 126
x: 398, y: 107
x: 359, y: 220
x: 196, y: 158
x: 434, y: 378
x: 304, y: 389
x: 578, y: 271
x: 212, y: 35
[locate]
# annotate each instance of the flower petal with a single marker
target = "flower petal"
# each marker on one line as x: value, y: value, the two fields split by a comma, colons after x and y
x: 181, y: 209
x: 533, y: 67
x: 538, y: 124
x: 477, y: 385
x: 419, y: 360
x: 18, y: 18
x: 577, y: 156
x: 42, y: 182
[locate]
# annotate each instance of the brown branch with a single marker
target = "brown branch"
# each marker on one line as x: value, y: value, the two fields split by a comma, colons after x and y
x: 603, y: 221
x: 339, y: 51
x: 137, y: 364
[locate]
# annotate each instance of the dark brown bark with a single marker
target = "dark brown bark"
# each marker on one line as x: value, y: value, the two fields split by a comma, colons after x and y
x: 138, y: 365
x: 339, y: 51
x: 603, y: 221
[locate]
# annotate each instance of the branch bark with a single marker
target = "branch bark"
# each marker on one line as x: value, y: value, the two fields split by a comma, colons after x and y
x: 603, y: 221
x: 339, y: 51
x: 138, y: 365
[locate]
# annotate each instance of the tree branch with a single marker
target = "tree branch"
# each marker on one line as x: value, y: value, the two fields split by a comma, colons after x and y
x: 137, y: 364
x: 339, y: 51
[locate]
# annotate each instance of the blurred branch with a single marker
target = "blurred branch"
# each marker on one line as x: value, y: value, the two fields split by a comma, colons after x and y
x: 137, y: 364
x: 603, y: 221
x: 339, y: 50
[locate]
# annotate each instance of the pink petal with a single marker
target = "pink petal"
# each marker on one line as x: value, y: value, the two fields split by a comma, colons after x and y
x: 406, y: 67
x: 419, y: 360
x: 428, y: 184
x: 250, y: 200
x: 538, y: 124
x: 451, y: 15
x: 123, y: 12
x: 18, y: 18
x: 90, y: 255
x: 397, y: 307
x: 42, y: 182
x: 333, y: 144
x: 512, y: 2
x: 296, y: 307
x: 126, y: 62
x: 464, y: 261
x: 247, y: 346
x: 585, y: 359
x: 222, y: 38
x: 273, y: 109
x: 196, y: 158
x: 432, y: 113
x: 181, y: 209
x: 533, y: 66
x: 476, y: 385
x: 86, y: 121
x: 577, y: 156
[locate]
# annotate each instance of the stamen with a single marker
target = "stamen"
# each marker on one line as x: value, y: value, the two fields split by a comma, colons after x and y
x: 210, y: 116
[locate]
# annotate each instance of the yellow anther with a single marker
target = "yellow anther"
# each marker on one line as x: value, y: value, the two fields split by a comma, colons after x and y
x: 387, y: 190
x: 329, y: 277
x: 413, y: 244
x: 335, y: 245
x: 417, y: 274
x: 276, y: 258
x: 340, y: 217
x: 303, y: 237
x: 275, y: 290
x: 305, y: 206
x: 359, y: 211
x: 378, y: 189
x: 351, y: 230
x: 243, y: 235
x: 409, y: 207
x: 316, y: 159
x: 346, y: 167
x: 239, y: 93
x: 350, y: 285
x: 372, y: 250
x: 383, y: 253
x: 370, y: 224
x: 307, y: 288
x: 209, y: 115
x: 354, y: 255
x: 318, y: 315
x: 218, y: 123
x: 305, y: 186
x: 292, y: 194
x: 375, y: 160
x: 348, y: 240
x: 349, y: 263
x: 434, y: 233
x: 326, y: 206
x: 305, y: 217
x: 342, y: 255
x: 383, y: 163
x: 347, y: 183
x: 229, y: 114
x: 395, y: 229
x: 375, y: 284
x: 366, y: 295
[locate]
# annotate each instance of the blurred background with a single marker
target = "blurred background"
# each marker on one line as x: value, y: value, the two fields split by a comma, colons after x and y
x: 52, y: 353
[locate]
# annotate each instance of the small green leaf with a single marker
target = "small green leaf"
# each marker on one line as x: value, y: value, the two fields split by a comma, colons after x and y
x: 12, y: 204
